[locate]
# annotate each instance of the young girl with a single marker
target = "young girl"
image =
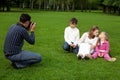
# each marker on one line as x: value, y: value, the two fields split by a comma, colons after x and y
x: 102, y: 48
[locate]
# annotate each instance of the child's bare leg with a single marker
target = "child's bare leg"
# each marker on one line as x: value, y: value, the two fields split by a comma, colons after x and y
x: 88, y: 56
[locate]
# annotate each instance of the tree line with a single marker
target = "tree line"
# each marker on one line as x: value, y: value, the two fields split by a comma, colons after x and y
x: 108, y: 6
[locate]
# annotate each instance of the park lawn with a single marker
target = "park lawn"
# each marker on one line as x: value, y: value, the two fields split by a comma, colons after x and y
x: 56, y: 63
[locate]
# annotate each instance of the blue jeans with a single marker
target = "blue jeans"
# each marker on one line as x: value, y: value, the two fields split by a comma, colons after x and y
x: 25, y: 58
x: 67, y: 47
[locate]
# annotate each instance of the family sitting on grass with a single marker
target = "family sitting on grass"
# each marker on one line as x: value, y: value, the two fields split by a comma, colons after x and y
x: 90, y: 45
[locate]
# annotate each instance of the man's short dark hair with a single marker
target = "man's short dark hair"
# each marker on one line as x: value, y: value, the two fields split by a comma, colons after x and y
x: 24, y: 18
x: 74, y: 21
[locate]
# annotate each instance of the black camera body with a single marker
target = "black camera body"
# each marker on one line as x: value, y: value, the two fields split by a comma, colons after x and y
x: 31, y: 23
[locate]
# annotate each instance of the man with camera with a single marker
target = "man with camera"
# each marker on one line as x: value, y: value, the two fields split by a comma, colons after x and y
x: 15, y: 40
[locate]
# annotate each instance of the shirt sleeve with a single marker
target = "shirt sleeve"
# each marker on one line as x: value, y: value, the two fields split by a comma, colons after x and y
x: 95, y: 41
x: 107, y: 47
x: 29, y: 38
x: 82, y: 39
x: 66, y: 36
x: 77, y: 38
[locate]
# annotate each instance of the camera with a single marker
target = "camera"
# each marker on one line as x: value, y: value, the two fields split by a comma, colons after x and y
x: 31, y: 23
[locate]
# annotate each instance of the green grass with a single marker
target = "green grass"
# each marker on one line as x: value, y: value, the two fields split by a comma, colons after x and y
x: 56, y: 64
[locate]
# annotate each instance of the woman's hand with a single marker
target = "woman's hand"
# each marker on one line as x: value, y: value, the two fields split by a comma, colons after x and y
x: 92, y: 47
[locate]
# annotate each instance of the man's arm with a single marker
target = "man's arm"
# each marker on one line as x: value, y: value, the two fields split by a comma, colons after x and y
x: 30, y: 38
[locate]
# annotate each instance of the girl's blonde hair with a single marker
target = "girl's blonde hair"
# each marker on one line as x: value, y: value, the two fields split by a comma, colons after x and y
x: 106, y: 38
x: 106, y: 35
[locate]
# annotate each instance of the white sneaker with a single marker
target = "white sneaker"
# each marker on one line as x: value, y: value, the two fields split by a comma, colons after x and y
x: 112, y: 59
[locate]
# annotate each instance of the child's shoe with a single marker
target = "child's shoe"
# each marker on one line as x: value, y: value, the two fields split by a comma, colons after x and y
x: 112, y: 59
x: 79, y: 56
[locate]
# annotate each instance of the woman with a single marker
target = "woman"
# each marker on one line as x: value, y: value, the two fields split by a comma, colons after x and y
x: 87, y: 43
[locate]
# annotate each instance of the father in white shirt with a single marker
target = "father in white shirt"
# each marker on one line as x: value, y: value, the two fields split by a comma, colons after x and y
x: 71, y: 36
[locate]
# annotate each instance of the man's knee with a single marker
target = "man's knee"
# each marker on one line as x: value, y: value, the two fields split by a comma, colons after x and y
x: 38, y: 58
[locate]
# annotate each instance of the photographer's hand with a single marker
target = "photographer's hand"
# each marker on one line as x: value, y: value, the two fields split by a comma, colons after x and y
x: 32, y: 27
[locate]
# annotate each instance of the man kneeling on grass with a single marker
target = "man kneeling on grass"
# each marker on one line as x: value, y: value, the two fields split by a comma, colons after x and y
x: 14, y: 42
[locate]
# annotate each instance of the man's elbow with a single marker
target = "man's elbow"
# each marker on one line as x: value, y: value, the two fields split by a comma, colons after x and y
x: 32, y: 42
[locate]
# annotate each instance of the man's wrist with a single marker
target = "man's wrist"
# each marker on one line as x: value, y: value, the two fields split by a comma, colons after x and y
x: 31, y: 31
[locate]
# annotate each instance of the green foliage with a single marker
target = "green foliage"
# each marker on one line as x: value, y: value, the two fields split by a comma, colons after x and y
x: 108, y: 2
x: 116, y: 3
x: 57, y: 64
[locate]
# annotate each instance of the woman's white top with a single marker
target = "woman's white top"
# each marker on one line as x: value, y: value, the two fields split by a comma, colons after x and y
x: 85, y: 39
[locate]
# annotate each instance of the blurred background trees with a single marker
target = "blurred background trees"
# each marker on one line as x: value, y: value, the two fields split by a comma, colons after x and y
x: 107, y: 6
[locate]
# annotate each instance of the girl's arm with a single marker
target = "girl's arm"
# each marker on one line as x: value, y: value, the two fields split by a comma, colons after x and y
x: 107, y: 47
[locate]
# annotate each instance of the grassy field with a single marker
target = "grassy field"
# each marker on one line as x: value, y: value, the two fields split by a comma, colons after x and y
x: 56, y: 64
